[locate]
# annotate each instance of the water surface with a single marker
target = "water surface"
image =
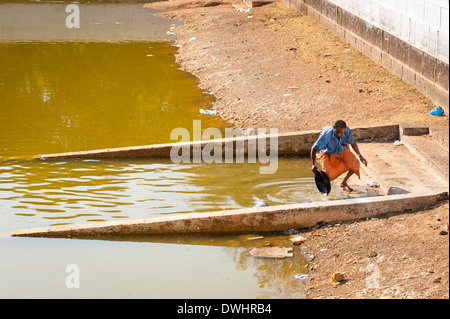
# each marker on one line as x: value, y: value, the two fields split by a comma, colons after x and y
x: 112, y: 83
x: 57, y: 97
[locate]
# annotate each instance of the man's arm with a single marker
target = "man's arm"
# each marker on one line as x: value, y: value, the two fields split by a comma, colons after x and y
x: 313, y: 159
x: 320, y: 144
x: 356, y: 148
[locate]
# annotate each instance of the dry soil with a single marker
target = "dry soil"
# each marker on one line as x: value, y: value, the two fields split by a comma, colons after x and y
x: 274, y: 68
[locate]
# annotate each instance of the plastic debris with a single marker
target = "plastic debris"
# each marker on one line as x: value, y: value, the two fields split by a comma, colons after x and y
x: 297, y: 240
x: 260, y: 203
x: 301, y: 276
x: 272, y: 252
x: 255, y: 238
x: 398, y: 143
x: 192, y: 39
x: 208, y: 112
x: 437, y: 111
x: 336, y: 278
x: 373, y: 183
x: 243, y: 10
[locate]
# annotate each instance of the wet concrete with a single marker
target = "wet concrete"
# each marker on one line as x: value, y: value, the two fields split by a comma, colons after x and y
x: 274, y: 218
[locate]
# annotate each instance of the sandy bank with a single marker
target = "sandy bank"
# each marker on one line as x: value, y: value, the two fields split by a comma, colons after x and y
x: 272, y: 67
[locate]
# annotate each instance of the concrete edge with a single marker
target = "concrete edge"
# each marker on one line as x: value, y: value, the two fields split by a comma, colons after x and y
x: 289, y: 143
x: 262, y: 219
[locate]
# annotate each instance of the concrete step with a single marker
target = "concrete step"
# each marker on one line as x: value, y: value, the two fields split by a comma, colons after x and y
x: 257, y: 3
x: 441, y: 135
x: 399, y: 171
x: 430, y: 151
x: 439, y: 132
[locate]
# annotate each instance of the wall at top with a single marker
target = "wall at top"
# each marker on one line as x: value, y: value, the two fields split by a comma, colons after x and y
x: 407, y: 37
x: 422, y: 23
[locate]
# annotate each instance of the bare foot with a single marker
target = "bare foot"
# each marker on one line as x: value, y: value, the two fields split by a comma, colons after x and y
x: 347, y: 188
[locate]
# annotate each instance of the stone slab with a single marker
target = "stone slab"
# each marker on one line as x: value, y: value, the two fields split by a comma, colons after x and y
x: 272, y: 218
x: 289, y: 143
x: 398, y: 170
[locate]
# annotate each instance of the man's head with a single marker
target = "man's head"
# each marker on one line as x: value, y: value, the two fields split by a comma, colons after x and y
x: 339, y: 128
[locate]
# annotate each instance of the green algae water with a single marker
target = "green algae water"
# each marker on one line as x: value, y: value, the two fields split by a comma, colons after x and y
x: 58, y: 97
x: 110, y: 84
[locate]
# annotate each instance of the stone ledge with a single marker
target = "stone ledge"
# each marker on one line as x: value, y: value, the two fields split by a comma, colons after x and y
x: 272, y: 218
x: 289, y: 143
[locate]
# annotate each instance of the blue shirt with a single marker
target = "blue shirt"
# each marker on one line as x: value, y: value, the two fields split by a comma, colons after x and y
x: 330, y: 144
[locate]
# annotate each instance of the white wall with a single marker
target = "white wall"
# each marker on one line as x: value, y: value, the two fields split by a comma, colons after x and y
x: 422, y: 23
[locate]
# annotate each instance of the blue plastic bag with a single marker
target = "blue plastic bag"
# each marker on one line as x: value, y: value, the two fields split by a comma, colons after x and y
x: 436, y: 111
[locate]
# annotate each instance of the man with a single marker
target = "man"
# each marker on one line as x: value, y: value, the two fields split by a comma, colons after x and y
x: 335, y: 157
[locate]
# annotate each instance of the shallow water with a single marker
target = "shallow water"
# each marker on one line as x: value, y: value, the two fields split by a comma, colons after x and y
x: 42, y: 193
x: 67, y: 95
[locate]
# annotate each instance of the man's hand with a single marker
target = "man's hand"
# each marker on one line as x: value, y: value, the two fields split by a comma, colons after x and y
x: 362, y: 159
x: 313, y: 168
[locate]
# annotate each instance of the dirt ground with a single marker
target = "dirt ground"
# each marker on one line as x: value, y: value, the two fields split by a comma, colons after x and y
x: 274, y: 68
x: 401, y: 255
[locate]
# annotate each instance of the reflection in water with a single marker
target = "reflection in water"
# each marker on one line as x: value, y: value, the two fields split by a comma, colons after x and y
x: 100, y: 22
x: 146, y: 269
x: 58, y: 192
x: 57, y: 97
x: 40, y: 193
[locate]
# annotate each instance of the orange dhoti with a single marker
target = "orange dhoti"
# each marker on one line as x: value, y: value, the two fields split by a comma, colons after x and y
x: 337, y: 164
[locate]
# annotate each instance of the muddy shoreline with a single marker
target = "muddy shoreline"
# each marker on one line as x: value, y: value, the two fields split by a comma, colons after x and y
x: 274, y: 68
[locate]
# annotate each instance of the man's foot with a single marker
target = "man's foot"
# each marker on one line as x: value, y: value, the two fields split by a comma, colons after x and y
x: 345, y: 187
